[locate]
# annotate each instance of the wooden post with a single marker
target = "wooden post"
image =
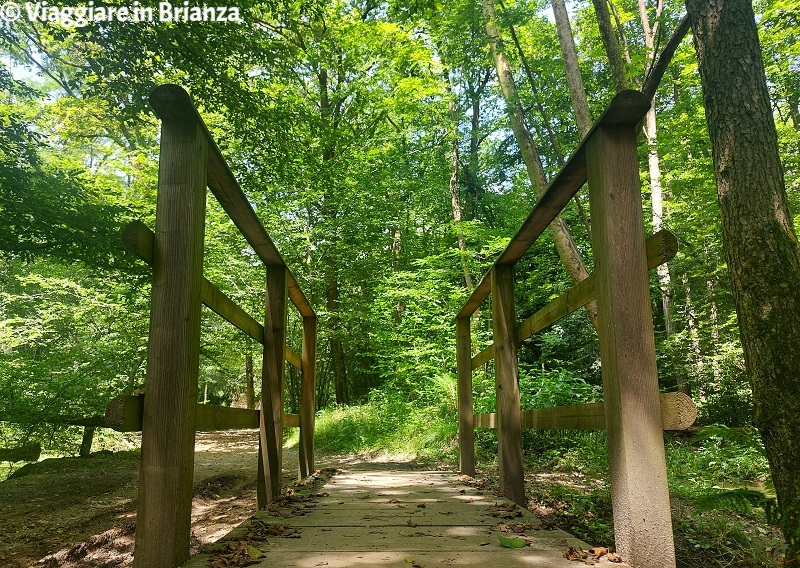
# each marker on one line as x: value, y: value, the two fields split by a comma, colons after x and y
x: 509, y: 412
x: 466, y: 434
x: 272, y: 378
x: 639, y: 492
x: 173, y: 355
x: 307, y: 396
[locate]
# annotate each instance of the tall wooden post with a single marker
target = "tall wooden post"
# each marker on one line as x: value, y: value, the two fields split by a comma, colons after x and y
x: 272, y: 378
x: 173, y: 356
x: 640, y: 497
x: 466, y: 434
x: 509, y: 412
x: 307, y: 396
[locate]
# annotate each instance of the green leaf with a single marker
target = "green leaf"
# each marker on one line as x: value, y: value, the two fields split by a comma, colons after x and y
x: 511, y: 542
x: 253, y: 552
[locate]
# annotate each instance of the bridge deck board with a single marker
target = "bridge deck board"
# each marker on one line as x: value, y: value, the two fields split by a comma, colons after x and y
x: 401, y: 519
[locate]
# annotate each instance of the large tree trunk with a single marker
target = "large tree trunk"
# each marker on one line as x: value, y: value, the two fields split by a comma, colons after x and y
x: 761, y: 246
x: 567, y: 251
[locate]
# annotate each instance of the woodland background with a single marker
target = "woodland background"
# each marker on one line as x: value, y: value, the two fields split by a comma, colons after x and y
x: 374, y: 144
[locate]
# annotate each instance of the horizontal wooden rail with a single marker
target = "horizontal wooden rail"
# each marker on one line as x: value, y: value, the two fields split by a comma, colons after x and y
x: 678, y: 412
x: 171, y: 102
x: 124, y: 414
x: 628, y: 107
x: 661, y: 248
x: 139, y: 240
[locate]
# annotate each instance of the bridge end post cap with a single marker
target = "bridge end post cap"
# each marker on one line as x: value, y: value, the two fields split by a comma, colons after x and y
x: 172, y: 102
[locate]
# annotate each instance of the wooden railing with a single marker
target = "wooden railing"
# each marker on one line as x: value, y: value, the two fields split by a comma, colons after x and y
x: 168, y: 414
x: 634, y: 413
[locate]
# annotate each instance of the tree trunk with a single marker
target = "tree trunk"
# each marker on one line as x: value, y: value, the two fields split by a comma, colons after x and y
x: 656, y: 191
x: 713, y: 314
x: 335, y: 342
x: 577, y: 92
x: 455, y: 202
x: 330, y: 122
x: 475, y: 89
x: 250, y: 393
x: 761, y: 246
x: 611, y: 44
x: 562, y: 238
x: 86, y: 441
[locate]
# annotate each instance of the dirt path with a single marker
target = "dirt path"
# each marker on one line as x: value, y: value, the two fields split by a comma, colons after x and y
x: 79, y: 512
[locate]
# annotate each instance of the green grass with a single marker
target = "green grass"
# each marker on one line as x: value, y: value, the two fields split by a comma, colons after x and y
x: 388, y: 427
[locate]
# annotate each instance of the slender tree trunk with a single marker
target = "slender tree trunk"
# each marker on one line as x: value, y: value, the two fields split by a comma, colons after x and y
x: 611, y: 45
x: 713, y: 314
x: 455, y: 202
x: 656, y: 190
x: 794, y: 111
x: 250, y: 393
x: 475, y: 89
x: 577, y: 92
x: 330, y: 122
x: 760, y: 243
x: 547, y: 122
x: 335, y: 342
x: 86, y: 441
x: 562, y: 238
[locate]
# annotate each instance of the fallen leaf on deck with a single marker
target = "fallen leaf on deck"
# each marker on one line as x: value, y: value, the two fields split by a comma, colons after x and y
x: 575, y: 554
x: 598, y: 551
x: 253, y: 552
x: 512, y: 541
x: 411, y: 523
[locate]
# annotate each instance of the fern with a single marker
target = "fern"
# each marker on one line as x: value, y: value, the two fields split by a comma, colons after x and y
x: 741, y: 500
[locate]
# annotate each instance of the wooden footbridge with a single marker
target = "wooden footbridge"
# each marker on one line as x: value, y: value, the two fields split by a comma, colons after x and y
x: 401, y: 518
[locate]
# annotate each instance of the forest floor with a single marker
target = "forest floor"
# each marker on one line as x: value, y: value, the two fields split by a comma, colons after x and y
x: 81, y: 512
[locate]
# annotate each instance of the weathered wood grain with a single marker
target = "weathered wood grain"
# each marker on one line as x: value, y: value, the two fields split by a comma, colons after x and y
x: 639, y: 492
x: 173, y: 355
x: 308, y: 396
x: 678, y: 413
x: 509, y: 417
x: 466, y: 435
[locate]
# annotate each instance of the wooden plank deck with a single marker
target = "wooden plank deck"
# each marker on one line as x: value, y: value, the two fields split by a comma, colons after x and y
x: 422, y: 519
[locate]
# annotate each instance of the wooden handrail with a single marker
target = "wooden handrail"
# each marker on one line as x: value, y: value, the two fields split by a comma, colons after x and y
x: 137, y: 238
x: 628, y: 107
x: 661, y: 248
x: 678, y: 412
x: 172, y: 102
x: 124, y: 414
